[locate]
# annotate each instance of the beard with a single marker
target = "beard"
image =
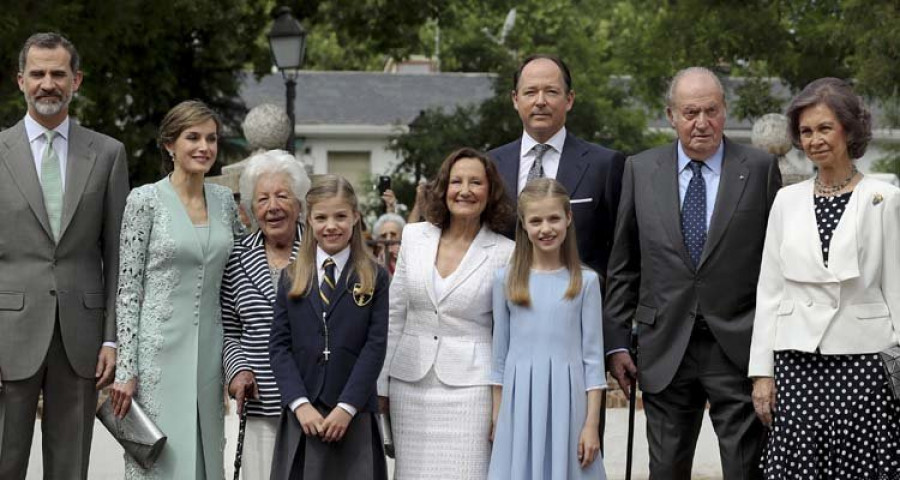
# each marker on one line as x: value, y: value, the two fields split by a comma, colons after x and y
x: 48, y: 105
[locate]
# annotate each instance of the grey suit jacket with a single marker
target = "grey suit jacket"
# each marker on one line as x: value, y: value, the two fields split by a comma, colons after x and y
x: 77, y: 276
x: 651, y: 277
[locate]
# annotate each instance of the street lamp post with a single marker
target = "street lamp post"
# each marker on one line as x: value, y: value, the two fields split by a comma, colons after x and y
x: 414, y: 127
x: 290, y: 84
x: 287, y: 39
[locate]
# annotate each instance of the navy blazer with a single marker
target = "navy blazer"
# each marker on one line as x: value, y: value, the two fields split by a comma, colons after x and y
x: 589, y: 172
x: 357, y: 342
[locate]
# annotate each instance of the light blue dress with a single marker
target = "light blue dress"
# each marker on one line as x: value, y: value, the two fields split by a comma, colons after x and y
x: 546, y: 357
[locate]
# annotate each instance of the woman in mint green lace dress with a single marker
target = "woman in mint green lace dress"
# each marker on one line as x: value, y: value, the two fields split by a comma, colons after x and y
x: 175, y: 241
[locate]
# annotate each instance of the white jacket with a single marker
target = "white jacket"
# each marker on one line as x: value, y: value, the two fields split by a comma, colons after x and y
x: 452, y: 332
x: 850, y: 307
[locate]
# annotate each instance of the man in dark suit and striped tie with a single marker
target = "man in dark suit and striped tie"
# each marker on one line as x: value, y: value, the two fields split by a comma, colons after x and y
x: 684, y: 266
x: 542, y: 95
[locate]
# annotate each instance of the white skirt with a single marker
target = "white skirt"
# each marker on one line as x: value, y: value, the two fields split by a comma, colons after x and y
x: 440, y: 432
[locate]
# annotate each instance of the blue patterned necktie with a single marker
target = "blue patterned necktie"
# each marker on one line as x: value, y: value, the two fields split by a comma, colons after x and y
x: 51, y: 184
x: 326, y: 288
x: 693, y: 213
x: 537, y: 168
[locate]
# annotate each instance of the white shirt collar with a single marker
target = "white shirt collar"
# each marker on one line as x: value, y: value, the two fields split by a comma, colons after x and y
x: 340, y: 260
x: 556, y: 141
x: 34, y: 129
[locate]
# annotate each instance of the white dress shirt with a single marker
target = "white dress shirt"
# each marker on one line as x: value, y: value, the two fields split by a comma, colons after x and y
x: 38, y: 143
x: 340, y: 261
x: 550, y: 160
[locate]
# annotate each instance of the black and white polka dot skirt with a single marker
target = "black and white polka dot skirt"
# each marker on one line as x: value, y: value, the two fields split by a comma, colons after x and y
x: 835, y: 418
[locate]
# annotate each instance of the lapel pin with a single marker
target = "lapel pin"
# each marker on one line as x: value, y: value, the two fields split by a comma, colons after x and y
x: 742, y: 176
x: 877, y: 199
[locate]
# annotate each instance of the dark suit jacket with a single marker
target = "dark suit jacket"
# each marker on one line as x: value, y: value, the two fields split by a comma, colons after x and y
x: 76, y: 277
x: 588, y: 171
x: 357, y: 338
x: 652, y: 278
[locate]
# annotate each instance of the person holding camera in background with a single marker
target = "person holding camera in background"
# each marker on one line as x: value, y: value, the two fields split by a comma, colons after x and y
x: 388, y: 228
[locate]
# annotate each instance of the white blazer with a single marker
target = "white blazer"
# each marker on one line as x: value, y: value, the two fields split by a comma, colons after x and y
x: 451, y: 332
x: 850, y: 307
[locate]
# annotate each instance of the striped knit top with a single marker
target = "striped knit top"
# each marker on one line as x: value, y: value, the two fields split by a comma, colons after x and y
x: 248, y: 307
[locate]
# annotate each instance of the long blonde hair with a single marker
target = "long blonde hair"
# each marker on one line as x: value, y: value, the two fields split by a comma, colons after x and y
x: 303, y: 273
x: 523, y: 255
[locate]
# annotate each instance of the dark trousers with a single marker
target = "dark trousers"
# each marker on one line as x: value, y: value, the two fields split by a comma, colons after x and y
x: 67, y: 424
x: 674, y: 415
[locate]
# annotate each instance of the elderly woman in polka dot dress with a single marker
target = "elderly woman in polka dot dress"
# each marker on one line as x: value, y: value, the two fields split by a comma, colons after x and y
x: 828, y: 301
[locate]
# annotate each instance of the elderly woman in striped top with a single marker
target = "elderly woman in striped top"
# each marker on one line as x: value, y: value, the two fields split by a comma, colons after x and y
x: 272, y: 187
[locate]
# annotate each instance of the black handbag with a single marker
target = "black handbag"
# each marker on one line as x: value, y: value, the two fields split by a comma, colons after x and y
x: 890, y: 359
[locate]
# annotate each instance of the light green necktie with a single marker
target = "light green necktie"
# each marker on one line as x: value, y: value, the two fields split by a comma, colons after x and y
x: 51, y: 182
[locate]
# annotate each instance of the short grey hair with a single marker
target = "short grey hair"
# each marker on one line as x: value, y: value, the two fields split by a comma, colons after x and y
x: 849, y: 108
x: 273, y: 162
x: 387, y: 218
x: 49, y: 40
x: 673, y: 84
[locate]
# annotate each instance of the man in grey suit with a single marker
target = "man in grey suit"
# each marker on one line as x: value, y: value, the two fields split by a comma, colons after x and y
x: 684, y: 265
x: 62, y: 194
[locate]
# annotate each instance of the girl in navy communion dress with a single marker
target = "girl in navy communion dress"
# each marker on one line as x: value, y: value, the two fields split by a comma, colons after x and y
x: 328, y: 342
x: 548, y: 370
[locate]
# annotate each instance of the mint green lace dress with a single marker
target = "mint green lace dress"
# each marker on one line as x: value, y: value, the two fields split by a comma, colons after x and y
x: 170, y: 324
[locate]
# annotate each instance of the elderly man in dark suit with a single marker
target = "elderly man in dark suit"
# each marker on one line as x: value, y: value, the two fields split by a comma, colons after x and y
x: 62, y: 191
x: 543, y: 95
x: 684, y: 266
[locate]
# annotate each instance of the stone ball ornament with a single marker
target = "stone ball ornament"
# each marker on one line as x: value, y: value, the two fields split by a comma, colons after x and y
x: 770, y: 133
x: 266, y: 127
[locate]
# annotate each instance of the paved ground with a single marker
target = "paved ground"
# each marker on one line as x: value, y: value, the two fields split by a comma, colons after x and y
x: 107, y: 463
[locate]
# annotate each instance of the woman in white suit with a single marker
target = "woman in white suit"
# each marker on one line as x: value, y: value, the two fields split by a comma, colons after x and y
x: 828, y: 301
x: 439, y: 339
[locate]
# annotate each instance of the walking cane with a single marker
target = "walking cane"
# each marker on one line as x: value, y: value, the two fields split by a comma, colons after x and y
x: 632, y: 400
x: 240, y: 440
x: 602, y: 419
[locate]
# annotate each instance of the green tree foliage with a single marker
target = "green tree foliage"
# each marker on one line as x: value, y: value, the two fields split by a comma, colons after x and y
x: 754, y: 99
x: 875, y: 60
x: 361, y: 33
x: 423, y: 150
x: 140, y: 58
x: 890, y: 163
x: 794, y: 40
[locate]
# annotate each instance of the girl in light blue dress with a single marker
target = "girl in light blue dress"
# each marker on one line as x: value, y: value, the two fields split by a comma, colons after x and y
x: 548, y: 370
